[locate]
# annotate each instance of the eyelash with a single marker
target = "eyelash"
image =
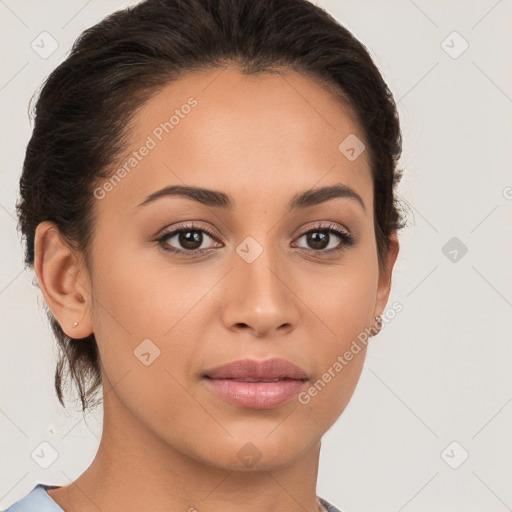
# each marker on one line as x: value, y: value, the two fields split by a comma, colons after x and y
x: 347, y: 239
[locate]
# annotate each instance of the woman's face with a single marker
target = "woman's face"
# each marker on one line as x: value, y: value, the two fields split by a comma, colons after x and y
x: 260, y: 287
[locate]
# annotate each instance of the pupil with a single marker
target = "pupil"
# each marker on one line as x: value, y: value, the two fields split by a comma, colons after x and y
x: 186, y: 240
x: 318, y: 242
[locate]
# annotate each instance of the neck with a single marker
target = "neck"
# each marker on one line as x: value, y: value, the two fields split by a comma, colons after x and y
x: 135, y: 469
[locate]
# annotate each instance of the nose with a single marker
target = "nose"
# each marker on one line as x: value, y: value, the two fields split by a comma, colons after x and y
x: 261, y: 299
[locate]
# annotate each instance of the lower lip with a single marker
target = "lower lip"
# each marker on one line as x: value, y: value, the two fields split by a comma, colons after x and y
x: 255, y: 395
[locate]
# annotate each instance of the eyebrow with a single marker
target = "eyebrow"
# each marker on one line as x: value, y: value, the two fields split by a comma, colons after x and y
x: 219, y: 199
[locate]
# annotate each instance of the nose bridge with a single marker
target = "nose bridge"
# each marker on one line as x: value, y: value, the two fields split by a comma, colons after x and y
x: 257, y: 264
x: 259, y: 299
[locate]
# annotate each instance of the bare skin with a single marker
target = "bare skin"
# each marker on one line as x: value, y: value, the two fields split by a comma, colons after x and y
x: 168, y: 443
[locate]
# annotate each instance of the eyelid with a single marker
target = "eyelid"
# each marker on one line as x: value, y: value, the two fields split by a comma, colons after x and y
x: 346, y: 238
x: 186, y: 226
x: 321, y: 225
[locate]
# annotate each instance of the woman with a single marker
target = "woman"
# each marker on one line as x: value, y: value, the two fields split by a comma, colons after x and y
x: 208, y: 205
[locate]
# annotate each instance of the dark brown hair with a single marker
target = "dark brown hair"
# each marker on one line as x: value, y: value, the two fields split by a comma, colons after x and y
x: 86, y: 103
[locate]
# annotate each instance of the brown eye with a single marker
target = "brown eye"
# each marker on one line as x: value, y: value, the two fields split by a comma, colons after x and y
x: 323, y: 239
x: 186, y: 240
x: 318, y: 239
x: 190, y: 240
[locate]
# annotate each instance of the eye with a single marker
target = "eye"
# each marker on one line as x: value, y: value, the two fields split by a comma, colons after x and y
x: 320, y: 238
x: 189, y: 239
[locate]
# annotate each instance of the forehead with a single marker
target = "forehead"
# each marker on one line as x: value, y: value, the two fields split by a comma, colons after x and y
x: 254, y: 136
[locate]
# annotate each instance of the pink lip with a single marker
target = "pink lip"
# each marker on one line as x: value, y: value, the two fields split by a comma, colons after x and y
x: 250, y: 368
x: 225, y: 381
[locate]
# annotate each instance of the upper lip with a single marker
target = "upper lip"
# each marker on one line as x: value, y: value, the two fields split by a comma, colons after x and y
x: 251, y: 369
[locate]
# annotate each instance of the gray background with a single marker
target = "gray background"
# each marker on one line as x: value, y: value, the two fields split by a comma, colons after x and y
x: 439, y: 373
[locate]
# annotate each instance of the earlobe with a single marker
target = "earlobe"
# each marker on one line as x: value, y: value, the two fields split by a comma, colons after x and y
x: 63, y: 281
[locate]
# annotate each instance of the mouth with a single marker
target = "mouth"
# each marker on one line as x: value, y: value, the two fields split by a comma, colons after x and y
x: 253, y: 370
x: 255, y: 394
x: 248, y: 379
x: 256, y: 385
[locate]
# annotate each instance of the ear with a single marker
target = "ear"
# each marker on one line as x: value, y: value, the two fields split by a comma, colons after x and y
x: 384, y: 285
x: 63, y: 281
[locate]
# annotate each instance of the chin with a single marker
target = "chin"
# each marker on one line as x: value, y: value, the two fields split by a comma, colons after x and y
x: 257, y: 452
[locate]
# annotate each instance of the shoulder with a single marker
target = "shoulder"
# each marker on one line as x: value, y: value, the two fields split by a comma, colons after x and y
x: 37, y: 500
x: 329, y: 506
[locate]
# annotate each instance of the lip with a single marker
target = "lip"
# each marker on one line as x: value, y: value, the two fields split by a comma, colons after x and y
x: 250, y: 368
x: 226, y: 382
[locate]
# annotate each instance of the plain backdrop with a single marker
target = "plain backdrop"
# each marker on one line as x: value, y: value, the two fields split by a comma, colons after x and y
x: 428, y: 427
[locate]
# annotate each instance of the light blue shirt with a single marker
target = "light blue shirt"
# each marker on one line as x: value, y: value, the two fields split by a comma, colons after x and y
x: 38, y: 500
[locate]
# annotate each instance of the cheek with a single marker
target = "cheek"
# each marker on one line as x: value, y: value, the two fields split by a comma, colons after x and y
x: 341, y: 348
x: 341, y: 298
x: 341, y: 306
x: 329, y: 394
x: 139, y: 323
x: 137, y: 292
x: 143, y: 305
